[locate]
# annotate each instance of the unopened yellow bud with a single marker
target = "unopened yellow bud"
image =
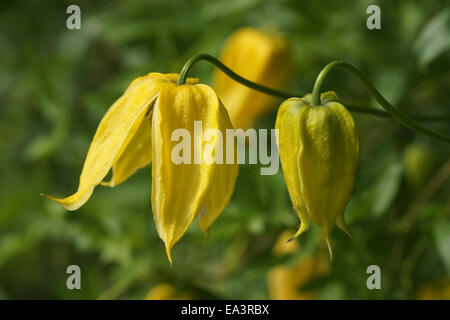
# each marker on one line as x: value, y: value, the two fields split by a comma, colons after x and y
x: 319, y: 149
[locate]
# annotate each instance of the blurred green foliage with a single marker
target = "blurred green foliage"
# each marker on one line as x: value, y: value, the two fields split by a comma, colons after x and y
x: 55, y: 85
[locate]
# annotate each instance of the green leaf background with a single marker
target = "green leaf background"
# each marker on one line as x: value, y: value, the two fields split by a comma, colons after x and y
x: 55, y: 85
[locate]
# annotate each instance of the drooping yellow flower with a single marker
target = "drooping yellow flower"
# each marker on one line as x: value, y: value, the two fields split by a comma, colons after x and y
x: 259, y: 57
x: 137, y: 130
x: 319, y: 149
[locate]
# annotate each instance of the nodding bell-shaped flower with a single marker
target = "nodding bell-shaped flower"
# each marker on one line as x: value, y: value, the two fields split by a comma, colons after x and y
x: 260, y: 57
x: 138, y: 130
x: 319, y: 151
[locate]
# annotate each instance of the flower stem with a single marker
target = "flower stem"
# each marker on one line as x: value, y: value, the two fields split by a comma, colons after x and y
x: 394, y: 112
x: 206, y: 57
x: 391, y: 111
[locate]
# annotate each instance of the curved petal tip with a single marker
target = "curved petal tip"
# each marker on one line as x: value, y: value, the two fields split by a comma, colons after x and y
x: 169, y: 254
x: 330, y: 250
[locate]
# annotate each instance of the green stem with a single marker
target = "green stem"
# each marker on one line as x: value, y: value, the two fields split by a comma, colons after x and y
x: 206, y: 57
x: 385, y: 115
x: 395, y: 113
x: 391, y: 111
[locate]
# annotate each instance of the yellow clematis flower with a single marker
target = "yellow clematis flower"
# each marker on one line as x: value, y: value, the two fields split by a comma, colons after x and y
x: 319, y: 150
x: 137, y: 130
x: 259, y: 57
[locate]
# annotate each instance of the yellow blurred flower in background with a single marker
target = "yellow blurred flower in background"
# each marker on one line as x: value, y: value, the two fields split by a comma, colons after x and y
x: 283, y: 246
x: 285, y: 282
x: 166, y: 292
x: 434, y: 291
x: 260, y: 57
x: 420, y: 161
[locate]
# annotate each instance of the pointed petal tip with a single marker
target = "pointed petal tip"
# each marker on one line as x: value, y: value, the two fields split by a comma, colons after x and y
x: 303, y: 227
x: 330, y: 250
x: 204, y: 227
x: 68, y: 205
x: 347, y: 232
x: 292, y: 238
x: 110, y: 184
x: 48, y: 197
x: 341, y: 225
x: 169, y: 254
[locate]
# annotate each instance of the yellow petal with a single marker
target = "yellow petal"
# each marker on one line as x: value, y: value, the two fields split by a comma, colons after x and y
x: 114, y: 132
x: 259, y: 57
x: 224, y: 179
x: 179, y: 190
x: 287, y: 124
x: 137, y: 154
